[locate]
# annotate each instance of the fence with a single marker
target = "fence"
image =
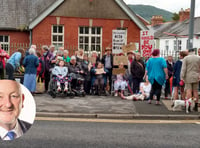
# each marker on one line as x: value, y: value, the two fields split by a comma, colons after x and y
x: 71, y: 48
x: 174, y: 54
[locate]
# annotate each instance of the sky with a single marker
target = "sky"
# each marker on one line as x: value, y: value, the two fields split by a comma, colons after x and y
x: 170, y: 5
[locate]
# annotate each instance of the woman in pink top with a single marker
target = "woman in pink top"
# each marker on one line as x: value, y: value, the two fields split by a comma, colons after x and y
x: 3, y: 55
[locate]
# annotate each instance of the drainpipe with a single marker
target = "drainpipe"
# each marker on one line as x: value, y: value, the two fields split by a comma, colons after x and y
x: 191, y: 24
x: 30, y: 38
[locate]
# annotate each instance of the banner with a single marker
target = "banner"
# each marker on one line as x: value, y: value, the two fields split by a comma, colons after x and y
x: 146, y: 43
x: 118, y: 40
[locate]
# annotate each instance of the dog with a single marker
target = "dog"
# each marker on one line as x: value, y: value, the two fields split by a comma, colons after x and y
x: 185, y: 103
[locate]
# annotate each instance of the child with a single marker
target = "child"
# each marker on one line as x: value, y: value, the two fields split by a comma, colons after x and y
x: 120, y: 83
x: 144, y: 93
x: 99, y: 81
x: 61, y: 75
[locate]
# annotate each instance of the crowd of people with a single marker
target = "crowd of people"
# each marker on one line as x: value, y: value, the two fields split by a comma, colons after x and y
x: 145, y: 79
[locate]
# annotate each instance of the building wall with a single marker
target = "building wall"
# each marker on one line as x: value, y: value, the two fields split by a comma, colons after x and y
x: 42, y: 32
x: 90, y: 9
x: 17, y: 39
x: 196, y: 44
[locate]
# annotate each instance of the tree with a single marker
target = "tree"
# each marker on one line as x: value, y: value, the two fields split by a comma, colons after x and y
x: 175, y: 16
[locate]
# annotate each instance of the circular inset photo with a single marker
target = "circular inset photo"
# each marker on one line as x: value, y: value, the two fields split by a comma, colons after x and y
x: 17, y: 110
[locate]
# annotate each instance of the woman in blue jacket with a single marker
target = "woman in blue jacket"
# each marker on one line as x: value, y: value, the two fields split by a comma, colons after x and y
x: 13, y: 63
x: 30, y: 63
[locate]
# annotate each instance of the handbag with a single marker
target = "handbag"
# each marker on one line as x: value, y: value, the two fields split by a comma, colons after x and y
x: 39, y: 85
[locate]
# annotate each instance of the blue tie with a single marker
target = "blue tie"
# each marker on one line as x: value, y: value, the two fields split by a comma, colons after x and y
x: 11, y: 135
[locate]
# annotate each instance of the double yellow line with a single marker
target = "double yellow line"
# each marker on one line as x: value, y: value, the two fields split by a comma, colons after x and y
x: 120, y: 121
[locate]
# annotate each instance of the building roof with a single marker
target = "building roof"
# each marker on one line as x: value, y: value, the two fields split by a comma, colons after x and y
x: 17, y: 14
x: 179, y: 29
x: 26, y: 14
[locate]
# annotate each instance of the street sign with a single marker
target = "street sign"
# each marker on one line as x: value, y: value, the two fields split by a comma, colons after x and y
x: 146, y: 42
x: 118, y: 40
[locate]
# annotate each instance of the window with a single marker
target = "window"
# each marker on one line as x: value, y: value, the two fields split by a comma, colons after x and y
x: 90, y: 39
x: 5, y: 43
x: 58, y: 35
x: 175, y: 45
x: 167, y: 45
x: 179, y: 44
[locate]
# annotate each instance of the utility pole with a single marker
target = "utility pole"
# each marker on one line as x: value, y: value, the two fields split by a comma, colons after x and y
x: 191, y: 24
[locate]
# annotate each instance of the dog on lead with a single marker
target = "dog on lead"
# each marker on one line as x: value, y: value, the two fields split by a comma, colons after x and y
x: 185, y: 103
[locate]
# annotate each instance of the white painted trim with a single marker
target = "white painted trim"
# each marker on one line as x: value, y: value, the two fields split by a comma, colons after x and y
x: 44, y: 14
x: 131, y: 14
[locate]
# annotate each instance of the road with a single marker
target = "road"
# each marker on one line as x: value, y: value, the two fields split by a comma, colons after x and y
x: 96, y: 133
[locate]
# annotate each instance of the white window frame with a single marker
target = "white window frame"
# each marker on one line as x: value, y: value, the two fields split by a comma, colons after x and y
x: 90, y: 35
x: 167, y: 45
x: 57, y: 43
x: 3, y: 43
x: 179, y: 45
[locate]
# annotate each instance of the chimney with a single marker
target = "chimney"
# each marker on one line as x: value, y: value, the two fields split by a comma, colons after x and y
x: 156, y: 19
x: 184, y: 15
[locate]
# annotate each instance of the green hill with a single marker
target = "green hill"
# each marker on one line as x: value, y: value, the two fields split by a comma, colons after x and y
x: 147, y: 11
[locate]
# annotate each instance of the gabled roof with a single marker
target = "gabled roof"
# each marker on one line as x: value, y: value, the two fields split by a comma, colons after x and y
x: 180, y: 29
x: 45, y: 13
x: 121, y: 3
x: 16, y: 14
x: 131, y: 14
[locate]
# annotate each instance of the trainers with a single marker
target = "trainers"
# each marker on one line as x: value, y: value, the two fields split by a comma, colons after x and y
x: 66, y: 89
x: 116, y: 94
x: 58, y: 89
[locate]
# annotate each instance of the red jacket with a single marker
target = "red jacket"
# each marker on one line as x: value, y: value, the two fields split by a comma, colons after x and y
x: 3, y: 55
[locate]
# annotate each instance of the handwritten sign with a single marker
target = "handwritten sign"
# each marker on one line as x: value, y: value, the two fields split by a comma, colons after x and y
x: 119, y: 59
x: 129, y: 48
x: 118, y: 40
x: 93, y: 60
x: 100, y: 71
x: 146, y: 42
x: 117, y: 71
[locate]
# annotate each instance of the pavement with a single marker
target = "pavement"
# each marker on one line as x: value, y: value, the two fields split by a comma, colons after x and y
x: 107, y: 107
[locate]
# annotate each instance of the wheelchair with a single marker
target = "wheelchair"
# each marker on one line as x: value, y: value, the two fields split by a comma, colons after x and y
x: 53, y: 88
x: 77, y: 84
x: 126, y: 91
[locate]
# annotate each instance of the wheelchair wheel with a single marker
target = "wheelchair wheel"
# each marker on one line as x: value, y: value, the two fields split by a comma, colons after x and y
x: 52, y: 88
x: 72, y: 95
x: 83, y: 94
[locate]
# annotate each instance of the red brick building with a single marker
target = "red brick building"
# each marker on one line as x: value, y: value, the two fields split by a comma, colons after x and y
x: 74, y: 24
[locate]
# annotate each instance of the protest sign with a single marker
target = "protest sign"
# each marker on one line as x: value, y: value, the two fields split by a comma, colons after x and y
x: 129, y: 48
x: 117, y: 71
x: 119, y: 59
x: 146, y: 42
x: 118, y: 40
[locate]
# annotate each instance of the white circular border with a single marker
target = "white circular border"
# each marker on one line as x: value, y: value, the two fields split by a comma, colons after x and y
x: 28, y: 112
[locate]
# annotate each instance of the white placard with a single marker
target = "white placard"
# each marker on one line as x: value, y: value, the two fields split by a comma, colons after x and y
x: 118, y: 40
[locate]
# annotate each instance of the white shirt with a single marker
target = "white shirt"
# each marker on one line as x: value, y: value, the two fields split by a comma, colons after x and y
x: 18, y: 131
x: 146, y: 88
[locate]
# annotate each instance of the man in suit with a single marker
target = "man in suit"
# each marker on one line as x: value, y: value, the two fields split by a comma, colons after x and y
x: 107, y: 61
x: 190, y: 74
x: 11, y: 103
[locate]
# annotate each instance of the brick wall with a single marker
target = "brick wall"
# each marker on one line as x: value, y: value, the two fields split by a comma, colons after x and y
x: 16, y: 37
x: 42, y: 32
